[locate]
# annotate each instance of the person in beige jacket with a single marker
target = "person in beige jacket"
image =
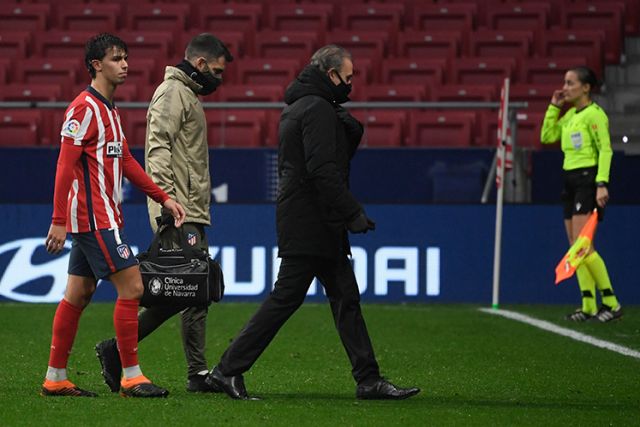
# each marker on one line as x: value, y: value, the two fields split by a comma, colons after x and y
x: 177, y: 160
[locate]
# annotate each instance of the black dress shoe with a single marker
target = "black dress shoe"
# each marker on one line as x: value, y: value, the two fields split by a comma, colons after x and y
x: 233, y: 385
x: 383, y: 389
x: 198, y: 384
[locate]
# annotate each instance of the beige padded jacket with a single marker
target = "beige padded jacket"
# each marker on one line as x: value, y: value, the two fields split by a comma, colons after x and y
x: 176, y: 150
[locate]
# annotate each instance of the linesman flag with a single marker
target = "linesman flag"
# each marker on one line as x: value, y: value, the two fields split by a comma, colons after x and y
x: 505, y: 145
x: 578, y: 251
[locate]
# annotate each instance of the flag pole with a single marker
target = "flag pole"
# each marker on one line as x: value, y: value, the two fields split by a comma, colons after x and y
x: 501, y: 160
x: 497, y: 247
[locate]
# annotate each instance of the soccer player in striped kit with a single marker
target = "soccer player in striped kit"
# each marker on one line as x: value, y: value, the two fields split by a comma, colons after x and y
x: 94, y: 156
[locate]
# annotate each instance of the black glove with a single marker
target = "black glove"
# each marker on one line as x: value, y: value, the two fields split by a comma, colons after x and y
x: 361, y: 224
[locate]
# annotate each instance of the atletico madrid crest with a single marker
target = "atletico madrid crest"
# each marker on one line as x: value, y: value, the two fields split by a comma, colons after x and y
x: 123, y: 251
x: 191, y: 239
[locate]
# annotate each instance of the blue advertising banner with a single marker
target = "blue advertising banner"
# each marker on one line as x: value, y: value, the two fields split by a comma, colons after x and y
x: 418, y: 253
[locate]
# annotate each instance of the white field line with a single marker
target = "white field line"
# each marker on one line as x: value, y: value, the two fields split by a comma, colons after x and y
x: 547, y: 326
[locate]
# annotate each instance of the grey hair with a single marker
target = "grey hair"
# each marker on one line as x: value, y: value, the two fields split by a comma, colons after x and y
x: 330, y: 56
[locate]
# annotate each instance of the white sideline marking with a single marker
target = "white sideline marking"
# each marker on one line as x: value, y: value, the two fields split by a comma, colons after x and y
x: 578, y: 336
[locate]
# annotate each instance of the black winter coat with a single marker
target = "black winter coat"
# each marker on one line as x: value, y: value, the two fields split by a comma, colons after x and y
x: 318, y: 138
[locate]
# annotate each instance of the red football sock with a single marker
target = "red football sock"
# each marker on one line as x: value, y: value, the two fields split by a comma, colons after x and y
x: 65, y: 326
x: 125, y: 321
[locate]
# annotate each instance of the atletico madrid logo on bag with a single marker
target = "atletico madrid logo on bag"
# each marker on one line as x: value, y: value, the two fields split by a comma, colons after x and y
x: 123, y: 251
x: 191, y: 239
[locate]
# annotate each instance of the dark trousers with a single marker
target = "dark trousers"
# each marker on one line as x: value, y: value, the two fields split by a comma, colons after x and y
x: 294, y: 278
x: 194, y: 319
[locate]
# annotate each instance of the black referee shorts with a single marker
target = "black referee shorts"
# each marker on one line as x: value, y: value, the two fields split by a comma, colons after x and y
x: 579, y: 192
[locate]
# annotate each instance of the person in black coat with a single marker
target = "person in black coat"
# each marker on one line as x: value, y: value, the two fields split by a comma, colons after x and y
x: 314, y: 210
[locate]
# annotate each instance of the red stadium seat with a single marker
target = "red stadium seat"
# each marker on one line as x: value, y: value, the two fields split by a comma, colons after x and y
x: 151, y: 44
x: 482, y: 70
x: 549, y: 70
x: 441, y: 129
x: 89, y: 17
x: 4, y: 70
x: 250, y: 93
x: 157, y: 16
x: 372, y: 17
x: 20, y: 128
x: 519, y: 16
x: 272, y: 126
x: 144, y: 71
x: 464, y: 93
x: 300, y: 17
x: 445, y: 16
x: 429, y: 44
x: 15, y: 44
x: 488, y: 43
x: 62, y: 43
x: 393, y: 93
x: 24, y: 17
x: 267, y: 71
x: 32, y: 92
x: 361, y: 44
x: 527, y: 133
x: 285, y: 45
x: 134, y: 125
x: 244, y: 17
x: 63, y: 72
x: 603, y: 16
x: 382, y: 128
x: 537, y: 96
x: 414, y: 71
x: 235, y: 128
x: 572, y: 43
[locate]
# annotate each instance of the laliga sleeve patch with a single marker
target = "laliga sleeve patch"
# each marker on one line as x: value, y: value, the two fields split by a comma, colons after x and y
x: 70, y: 128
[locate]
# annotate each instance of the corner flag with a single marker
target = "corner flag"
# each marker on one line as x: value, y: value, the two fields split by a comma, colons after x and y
x: 577, y: 252
x: 505, y: 145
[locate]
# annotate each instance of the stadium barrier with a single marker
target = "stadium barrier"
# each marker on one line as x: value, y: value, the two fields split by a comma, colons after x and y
x: 417, y: 254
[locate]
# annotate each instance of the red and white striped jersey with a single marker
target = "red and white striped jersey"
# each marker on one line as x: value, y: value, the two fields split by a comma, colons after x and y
x: 96, y: 192
x: 93, y: 157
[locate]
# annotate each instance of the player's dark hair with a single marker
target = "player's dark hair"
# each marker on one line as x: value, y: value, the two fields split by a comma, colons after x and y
x: 208, y: 46
x: 587, y: 76
x: 97, y: 47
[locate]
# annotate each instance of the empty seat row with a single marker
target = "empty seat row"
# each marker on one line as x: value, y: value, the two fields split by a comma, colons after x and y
x: 248, y: 18
x: 373, y: 44
x: 245, y: 128
x: 61, y: 79
x: 536, y: 95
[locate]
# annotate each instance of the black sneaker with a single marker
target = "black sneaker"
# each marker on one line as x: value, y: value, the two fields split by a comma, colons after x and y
x: 578, y: 316
x: 197, y: 384
x: 607, y: 314
x: 142, y: 389
x: 107, y: 353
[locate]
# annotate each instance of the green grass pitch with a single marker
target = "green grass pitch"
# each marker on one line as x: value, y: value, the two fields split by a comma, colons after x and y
x: 473, y: 369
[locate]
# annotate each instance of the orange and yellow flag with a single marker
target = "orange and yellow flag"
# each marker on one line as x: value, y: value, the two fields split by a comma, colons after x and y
x: 580, y: 248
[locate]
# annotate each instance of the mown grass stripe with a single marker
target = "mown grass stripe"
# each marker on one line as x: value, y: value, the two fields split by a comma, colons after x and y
x: 578, y: 336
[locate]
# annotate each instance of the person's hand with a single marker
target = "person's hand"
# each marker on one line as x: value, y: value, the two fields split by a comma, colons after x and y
x: 558, y: 98
x: 56, y: 238
x: 176, y: 210
x: 602, y: 196
x: 361, y: 224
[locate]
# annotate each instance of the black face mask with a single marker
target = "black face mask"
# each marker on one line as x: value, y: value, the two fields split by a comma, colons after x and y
x: 341, y: 92
x: 211, y: 84
x: 205, y: 79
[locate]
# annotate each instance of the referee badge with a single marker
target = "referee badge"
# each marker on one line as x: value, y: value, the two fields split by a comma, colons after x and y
x: 123, y: 251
